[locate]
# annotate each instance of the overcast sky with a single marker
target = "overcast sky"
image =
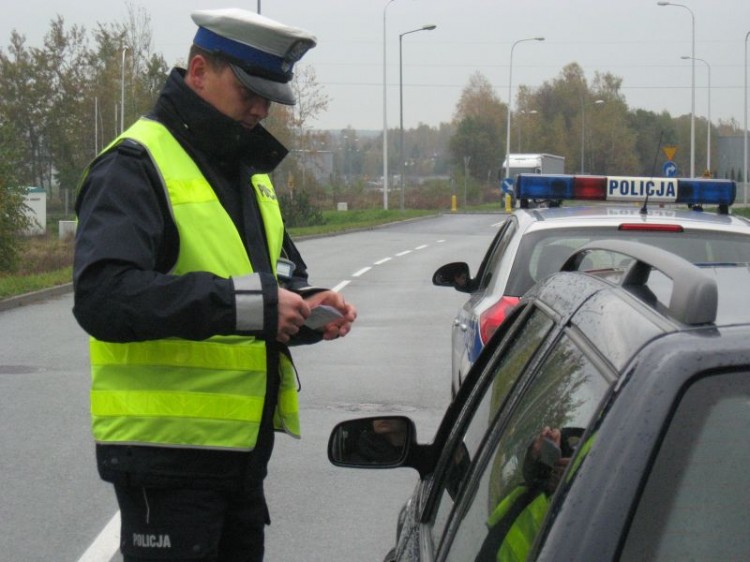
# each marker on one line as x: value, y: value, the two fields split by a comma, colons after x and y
x: 634, y: 39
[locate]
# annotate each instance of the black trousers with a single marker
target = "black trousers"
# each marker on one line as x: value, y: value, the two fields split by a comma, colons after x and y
x: 187, y: 524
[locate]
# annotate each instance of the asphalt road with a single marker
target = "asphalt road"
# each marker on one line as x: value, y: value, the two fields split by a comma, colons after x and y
x: 396, y: 360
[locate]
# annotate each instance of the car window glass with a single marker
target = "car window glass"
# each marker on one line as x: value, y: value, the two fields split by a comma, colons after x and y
x: 541, y: 253
x: 504, y: 374
x: 695, y: 503
x: 491, y: 264
x: 616, y: 341
x: 513, y: 491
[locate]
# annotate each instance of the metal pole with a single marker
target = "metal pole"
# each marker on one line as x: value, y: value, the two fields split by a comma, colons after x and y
x: 401, y: 111
x: 510, y: 100
x: 583, y: 132
x: 385, y: 116
x: 401, y: 101
x: 692, y: 85
x: 96, y: 126
x: 708, y: 134
x: 744, y: 153
x: 583, y: 129
x: 692, y: 97
x: 122, y: 91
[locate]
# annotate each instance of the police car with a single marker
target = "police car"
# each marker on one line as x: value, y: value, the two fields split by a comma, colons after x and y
x: 533, y: 242
x: 605, y: 420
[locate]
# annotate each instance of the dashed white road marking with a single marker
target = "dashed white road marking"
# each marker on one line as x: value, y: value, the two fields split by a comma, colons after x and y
x: 361, y: 271
x: 340, y: 286
x: 403, y: 253
x: 106, y: 544
x: 381, y: 262
x: 422, y: 247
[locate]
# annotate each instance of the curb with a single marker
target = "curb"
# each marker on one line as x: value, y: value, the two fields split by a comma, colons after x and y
x: 36, y: 296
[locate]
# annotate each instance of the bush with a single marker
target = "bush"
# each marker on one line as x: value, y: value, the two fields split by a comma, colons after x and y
x: 298, y: 210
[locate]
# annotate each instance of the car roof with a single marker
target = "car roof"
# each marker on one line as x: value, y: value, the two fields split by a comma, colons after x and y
x: 608, y: 215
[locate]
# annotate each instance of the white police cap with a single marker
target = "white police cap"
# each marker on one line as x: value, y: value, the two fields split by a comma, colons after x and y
x: 261, y: 51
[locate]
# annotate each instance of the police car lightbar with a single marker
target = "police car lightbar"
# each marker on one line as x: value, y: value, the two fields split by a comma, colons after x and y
x: 629, y: 189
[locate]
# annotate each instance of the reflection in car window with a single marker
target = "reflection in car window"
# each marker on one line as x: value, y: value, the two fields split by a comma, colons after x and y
x: 695, y: 503
x: 489, y: 267
x: 520, y: 348
x: 522, y: 465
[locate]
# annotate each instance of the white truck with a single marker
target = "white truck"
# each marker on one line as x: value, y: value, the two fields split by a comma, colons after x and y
x: 528, y: 164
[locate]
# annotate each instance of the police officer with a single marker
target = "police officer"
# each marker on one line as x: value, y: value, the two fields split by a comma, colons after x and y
x: 192, y: 290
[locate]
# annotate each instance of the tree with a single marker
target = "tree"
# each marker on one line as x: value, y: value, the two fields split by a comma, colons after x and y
x: 24, y: 102
x: 13, y: 218
x: 291, y: 125
x: 478, y: 123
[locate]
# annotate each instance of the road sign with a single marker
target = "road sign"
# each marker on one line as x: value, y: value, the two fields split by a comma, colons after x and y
x: 507, y: 185
x: 670, y: 169
x: 669, y: 152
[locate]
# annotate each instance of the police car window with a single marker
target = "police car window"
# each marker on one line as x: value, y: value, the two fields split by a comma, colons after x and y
x: 523, y: 465
x: 541, y: 253
x: 695, y: 503
x: 498, y: 381
x: 491, y: 263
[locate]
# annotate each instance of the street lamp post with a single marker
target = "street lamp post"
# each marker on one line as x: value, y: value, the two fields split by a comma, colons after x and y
x: 583, y: 129
x: 401, y: 99
x: 510, y: 100
x: 708, y: 135
x: 744, y: 153
x: 122, y: 91
x: 692, y: 86
x: 523, y: 112
x: 385, y: 115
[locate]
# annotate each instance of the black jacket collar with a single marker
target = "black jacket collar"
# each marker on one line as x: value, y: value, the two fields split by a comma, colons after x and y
x: 199, y: 125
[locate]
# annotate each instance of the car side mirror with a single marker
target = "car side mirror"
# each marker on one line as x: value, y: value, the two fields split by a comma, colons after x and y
x: 376, y: 442
x: 454, y: 275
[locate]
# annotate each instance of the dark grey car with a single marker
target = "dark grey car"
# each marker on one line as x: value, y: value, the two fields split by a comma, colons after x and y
x: 605, y: 420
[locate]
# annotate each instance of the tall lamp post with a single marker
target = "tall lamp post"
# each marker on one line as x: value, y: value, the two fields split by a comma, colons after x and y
x: 523, y: 112
x: 510, y: 100
x: 708, y: 135
x: 744, y: 159
x: 122, y: 91
x: 583, y: 129
x: 401, y: 99
x: 692, y: 86
x: 385, y: 115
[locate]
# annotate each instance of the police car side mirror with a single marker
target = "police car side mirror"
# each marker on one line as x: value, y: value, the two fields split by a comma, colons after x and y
x: 456, y: 275
x: 375, y: 442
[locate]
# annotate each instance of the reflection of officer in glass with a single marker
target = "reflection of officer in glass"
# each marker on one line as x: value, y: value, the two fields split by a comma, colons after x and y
x: 514, y: 523
x: 383, y: 442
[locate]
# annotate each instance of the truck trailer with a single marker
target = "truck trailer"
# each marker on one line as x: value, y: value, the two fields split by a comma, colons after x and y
x: 528, y: 164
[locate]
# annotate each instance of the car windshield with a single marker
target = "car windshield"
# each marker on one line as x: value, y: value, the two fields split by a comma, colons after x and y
x: 543, y: 253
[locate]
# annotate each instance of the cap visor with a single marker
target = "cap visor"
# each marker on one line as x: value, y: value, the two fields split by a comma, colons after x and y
x: 277, y: 92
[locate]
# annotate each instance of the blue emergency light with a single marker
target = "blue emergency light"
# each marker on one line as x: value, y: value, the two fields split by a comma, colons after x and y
x: 624, y: 188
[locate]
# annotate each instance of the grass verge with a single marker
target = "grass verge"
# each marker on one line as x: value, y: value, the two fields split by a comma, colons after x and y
x: 46, y: 262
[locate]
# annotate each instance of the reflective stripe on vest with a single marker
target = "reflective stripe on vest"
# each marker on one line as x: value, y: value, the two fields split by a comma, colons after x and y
x: 522, y: 532
x: 206, y: 394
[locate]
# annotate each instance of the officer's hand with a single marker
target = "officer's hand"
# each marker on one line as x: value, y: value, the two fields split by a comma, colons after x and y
x: 342, y: 326
x: 293, y: 310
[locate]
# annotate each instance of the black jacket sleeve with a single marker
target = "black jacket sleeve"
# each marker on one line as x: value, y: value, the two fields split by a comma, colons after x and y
x: 124, y: 249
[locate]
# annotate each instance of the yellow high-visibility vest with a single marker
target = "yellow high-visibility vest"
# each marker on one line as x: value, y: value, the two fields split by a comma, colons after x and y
x: 194, y: 394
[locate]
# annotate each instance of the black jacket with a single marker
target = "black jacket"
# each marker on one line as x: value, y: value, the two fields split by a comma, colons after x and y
x: 127, y: 242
